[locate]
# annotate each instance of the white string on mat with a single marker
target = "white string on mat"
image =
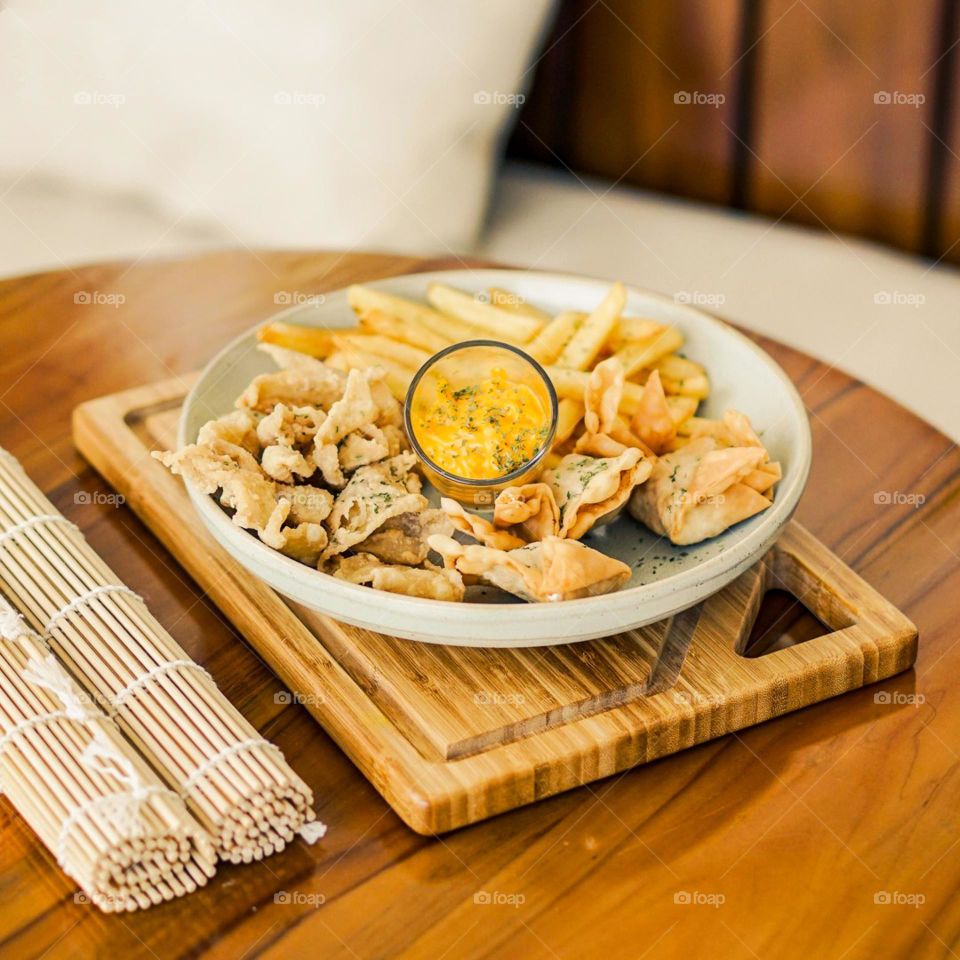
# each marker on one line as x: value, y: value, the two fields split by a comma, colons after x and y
x: 12, y: 624
x: 230, y: 751
x: 39, y: 720
x: 77, y: 602
x: 35, y: 522
x: 49, y: 674
x: 158, y: 671
x: 9, y: 458
x: 312, y: 831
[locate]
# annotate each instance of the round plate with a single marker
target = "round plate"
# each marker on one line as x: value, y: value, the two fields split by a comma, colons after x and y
x: 666, y: 579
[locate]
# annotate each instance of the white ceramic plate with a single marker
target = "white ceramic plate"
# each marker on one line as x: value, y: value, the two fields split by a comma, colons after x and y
x: 666, y: 579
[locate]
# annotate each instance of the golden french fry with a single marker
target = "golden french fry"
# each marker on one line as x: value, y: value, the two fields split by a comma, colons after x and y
x: 644, y: 353
x: 363, y: 299
x: 633, y: 328
x: 569, y: 414
x: 502, y: 324
x: 586, y: 343
x: 401, y: 353
x: 316, y: 341
x: 682, y: 410
x: 350, y: 357
x: 682, y: 376
x: 506, y: 300
x: 414, y: 334
x: 548, y: 344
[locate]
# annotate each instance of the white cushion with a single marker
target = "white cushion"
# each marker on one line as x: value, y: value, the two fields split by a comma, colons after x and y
x: 292, y: 124
x: 885, y: 317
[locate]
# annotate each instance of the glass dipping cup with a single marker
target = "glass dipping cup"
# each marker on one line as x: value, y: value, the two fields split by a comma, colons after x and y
x: 464, y: 364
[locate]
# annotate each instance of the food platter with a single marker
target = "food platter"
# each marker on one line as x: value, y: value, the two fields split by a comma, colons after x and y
x: 664, y: 578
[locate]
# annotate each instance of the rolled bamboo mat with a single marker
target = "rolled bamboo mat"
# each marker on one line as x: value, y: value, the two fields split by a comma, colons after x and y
x: 127, y: 839
x: 236, y: 784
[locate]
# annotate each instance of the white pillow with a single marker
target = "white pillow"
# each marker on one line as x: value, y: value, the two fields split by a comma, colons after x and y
x: 293, y: 124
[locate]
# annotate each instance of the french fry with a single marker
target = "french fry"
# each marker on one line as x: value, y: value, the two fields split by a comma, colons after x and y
x: 644, y: 353
x: 349, y: 357
x: 682, y: 376
x: 502, y: 324
x: 402, y: 353
x: 682, y: 410
x: 506, y: 300
x: 414, y: 334
x: 633, y: 328
x: 363, y: 299
x: 569, y: 414
x: 548, y: 344
x: 584, y: 346
x: 316, y: 341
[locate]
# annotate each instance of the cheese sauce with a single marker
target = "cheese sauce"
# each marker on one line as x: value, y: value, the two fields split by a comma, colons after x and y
x: 483, y: 430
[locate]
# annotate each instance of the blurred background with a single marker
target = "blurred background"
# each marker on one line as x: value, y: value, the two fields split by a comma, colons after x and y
x: 793, y: 165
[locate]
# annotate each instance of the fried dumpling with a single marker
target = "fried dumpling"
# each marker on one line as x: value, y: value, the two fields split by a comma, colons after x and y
x: 698, y: 491
x: 541, y: 572
x: 403, y: 539
x: 306, y: 382
x: 606, y: 434
x: 592, y: 490
x: 224, y: 466
x: 373, y: 495
x: 367, y: 570
x: 308, y: 504
x: 238, y: 427
x: 303, y: 541
x: 291, y: 426
x: 652, y: 421
x: 479, y: 527
x: 530, y: 511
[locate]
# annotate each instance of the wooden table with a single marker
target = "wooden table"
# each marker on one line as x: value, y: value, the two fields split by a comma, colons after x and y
x: 782, y: 841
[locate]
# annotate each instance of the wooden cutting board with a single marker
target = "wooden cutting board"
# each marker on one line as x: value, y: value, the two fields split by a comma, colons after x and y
x: 450, y: 736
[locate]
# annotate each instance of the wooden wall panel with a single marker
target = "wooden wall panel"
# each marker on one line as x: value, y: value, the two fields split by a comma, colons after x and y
x: 800, y: 135
x: 605, y: 97
x: 818, y: 130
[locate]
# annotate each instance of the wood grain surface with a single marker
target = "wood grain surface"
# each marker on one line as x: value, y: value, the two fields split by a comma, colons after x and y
x: 831, y: 832
x: 454, y: 735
